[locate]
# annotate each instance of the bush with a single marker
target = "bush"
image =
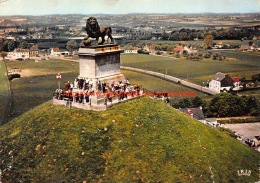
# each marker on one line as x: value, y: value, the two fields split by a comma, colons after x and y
x: 207, y: 55
x: 12, y: 76
x: 141, y: 51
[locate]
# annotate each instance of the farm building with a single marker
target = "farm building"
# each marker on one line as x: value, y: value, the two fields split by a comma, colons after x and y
x: 221, y: 82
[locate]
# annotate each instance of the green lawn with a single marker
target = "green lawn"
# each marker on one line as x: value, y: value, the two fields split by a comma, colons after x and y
x: 29, y: 92
x: 5, y: 98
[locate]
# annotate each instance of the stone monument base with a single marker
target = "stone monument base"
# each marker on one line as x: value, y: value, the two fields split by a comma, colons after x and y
x: 113, y: 78
x: 100, y: 63
x: 97, y: 100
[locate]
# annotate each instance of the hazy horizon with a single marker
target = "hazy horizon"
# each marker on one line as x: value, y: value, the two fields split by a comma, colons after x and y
x: 117, y: 7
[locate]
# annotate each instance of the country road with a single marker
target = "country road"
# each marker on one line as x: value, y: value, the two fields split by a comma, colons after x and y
x: 172, y: 79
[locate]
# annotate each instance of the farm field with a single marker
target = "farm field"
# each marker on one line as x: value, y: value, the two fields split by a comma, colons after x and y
x: 196, y: 71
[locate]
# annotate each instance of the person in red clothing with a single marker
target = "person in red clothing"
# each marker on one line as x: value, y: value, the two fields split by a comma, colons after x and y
x: 67, y: 86
x: 81, y: 97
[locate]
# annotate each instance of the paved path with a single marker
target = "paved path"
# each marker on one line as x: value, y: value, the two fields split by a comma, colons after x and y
x: 248, y: 130
x: 172, y: 79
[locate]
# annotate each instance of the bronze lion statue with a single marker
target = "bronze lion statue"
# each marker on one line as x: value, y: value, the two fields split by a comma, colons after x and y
x: 94, y: 31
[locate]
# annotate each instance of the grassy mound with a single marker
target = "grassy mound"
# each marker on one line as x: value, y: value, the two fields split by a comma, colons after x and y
x: 142, y: 140
x: 5, y: 95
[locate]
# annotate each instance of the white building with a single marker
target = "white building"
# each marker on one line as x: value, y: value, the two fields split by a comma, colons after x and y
x: 131, y: 51
x: 19, y: 54
x: 55, y: 52
x: 221, y: 82
x: 23, y: 54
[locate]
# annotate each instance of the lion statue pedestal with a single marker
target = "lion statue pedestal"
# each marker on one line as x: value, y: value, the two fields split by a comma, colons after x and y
x: 100, y: 62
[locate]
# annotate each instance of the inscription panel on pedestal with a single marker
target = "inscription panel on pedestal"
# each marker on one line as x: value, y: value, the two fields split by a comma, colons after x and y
x: 107, y: 65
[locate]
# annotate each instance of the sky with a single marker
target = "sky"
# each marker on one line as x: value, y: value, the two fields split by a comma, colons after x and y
x: 46, y: 7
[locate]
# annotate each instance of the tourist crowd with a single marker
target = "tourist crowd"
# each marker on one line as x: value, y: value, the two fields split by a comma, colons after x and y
x: 82, y: 89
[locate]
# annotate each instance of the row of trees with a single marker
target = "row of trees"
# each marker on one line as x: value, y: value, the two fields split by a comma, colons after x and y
x: 10, y: 45
x: 218, y: 34
x: 222, y: 105
x: 191, y: 34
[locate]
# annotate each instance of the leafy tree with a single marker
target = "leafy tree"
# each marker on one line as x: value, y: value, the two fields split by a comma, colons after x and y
x: 189, y: 102
x: 256, y: 77
x: 23, y: 45
x: 208, y: 40
x: 250, y: 104
x: 12, y: 45
x: 71, y: 45
x: 197, y: 102
x: 183, y: 36
x: 185, y: 103
x: 3, y: 54
x: 4, y: 45
x: 227, y: 105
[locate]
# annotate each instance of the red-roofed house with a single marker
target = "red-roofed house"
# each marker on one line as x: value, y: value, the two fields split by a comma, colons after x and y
x: 237, y: 83
x: 178, y: 49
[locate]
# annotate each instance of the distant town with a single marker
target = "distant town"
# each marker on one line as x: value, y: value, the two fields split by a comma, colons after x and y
x: 57, y: 29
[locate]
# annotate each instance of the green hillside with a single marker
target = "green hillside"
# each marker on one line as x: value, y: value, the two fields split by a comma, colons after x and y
x: 142, y: 140
x: 5, y: 95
